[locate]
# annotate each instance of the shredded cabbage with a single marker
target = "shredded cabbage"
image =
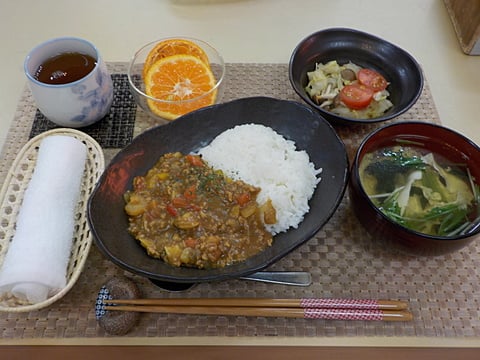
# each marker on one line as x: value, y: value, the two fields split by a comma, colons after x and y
x: 326, y: 82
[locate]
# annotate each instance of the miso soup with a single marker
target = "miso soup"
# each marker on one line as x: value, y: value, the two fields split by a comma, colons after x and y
x: 421, y: 190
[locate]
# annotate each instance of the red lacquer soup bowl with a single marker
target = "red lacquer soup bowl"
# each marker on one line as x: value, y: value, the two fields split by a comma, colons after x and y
x: 437, y: 139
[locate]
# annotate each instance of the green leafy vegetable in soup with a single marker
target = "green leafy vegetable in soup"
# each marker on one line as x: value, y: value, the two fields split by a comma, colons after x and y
x: 421, y: 191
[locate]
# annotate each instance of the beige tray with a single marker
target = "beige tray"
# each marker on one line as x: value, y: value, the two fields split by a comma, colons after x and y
x: 11, y: 197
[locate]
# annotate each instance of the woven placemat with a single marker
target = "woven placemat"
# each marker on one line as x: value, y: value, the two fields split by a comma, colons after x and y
x: 443, y: 292
x: 115, y: 130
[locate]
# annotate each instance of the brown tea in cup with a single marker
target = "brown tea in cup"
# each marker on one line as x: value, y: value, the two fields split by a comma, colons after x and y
x: 69, y: 81
x: 65, y: 68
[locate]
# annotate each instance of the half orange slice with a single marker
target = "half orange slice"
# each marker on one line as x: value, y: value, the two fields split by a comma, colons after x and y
x: 171, y: 47
x: 182, y: 83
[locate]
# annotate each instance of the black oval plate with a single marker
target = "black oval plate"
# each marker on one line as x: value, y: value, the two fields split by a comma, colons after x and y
x: 293, y: 120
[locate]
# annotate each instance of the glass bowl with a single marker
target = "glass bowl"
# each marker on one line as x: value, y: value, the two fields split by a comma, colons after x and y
x: 186, y: 103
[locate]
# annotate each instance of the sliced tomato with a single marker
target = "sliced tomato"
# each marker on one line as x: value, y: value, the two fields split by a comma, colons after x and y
x: 356, y: 96
x: 372, y: 79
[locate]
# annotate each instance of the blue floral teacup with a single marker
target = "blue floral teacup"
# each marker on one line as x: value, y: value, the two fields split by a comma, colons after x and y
x: 75, y: 104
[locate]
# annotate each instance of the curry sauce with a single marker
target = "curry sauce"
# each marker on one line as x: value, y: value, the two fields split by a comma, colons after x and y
x: 189, y: 214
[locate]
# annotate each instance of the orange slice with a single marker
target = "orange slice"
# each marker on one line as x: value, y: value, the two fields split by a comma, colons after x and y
x: 183, y: 83
x: 173, y: 47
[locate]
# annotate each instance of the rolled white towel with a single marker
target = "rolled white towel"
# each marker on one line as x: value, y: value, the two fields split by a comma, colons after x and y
x: 35, y: 265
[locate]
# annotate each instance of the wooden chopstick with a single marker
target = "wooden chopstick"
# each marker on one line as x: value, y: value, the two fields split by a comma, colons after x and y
x: 359, y: 304
x: 290, y: 312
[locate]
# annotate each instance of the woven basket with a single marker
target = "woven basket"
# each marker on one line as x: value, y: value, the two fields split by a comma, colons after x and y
x: 11, y: 197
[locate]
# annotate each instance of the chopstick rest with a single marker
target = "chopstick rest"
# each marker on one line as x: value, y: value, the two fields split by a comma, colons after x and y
x: 34, y: 267
x: 116, y: 322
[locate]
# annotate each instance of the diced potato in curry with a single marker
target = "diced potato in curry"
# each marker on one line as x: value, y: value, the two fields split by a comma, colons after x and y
x: 188, y: 214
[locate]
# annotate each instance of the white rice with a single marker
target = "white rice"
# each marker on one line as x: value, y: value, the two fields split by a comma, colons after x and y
x: 261, y: 157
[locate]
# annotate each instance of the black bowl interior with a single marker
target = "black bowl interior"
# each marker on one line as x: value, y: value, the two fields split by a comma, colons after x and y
x: 293, y: 120
x: 344, y: 45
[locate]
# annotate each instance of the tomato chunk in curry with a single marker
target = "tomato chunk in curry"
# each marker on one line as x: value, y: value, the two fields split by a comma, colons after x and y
x: 189, y: 214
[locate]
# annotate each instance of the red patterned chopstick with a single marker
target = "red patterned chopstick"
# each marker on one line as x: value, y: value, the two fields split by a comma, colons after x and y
x: 357, y: 314
x: 290, y: 312
x: 365, y: 304
x: 329, y: 309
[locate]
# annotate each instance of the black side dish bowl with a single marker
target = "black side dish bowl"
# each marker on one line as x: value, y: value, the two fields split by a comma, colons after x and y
x: 293, y: 120
x: 345, y: 45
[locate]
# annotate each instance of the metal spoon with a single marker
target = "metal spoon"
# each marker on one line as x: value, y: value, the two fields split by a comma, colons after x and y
x: 295, y: 278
